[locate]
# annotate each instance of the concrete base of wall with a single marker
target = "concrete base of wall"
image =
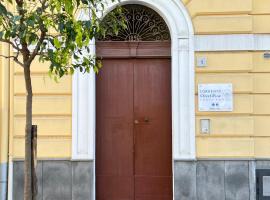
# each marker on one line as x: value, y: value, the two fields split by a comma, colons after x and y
x: 217, y: 180
x: 220, y: 180
x: 198, y: 180
x: 57, y: 180
x: 3, y: 181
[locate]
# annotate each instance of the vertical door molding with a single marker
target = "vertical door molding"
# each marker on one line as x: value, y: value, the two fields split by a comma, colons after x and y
x: 183, y: 92
x: 183, y: 101
x: 83, y: 114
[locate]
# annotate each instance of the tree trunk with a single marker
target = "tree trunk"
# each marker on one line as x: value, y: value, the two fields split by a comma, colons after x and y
x: 28, y: 136
x: 34, y: 161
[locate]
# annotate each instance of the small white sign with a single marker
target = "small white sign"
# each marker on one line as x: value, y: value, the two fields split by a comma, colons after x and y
x: 215, y: 97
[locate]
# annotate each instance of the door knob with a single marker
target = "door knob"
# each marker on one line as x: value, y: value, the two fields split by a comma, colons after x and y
x: 146, y: 119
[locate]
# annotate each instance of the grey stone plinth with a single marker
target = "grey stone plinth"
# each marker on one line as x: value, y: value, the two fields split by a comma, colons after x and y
x: 82, y: 182
x: 252, y: 180
x: 262, y: 164
x: 185, y: 181
x: 57, y: 180
x: 193, y: 180
x: 210, y: 180
x: 237, y: 180
x: 3, y: 180
x: 18, y: 180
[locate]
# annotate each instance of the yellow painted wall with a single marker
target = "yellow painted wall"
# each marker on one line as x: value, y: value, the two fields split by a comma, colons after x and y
x: 4, y: 103
x: 243, y: 133
x: 1, y: 95
x: 229, y: 16
x: 51, y: 112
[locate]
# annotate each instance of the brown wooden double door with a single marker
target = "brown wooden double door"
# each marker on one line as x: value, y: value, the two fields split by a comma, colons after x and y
x: 133, y: 133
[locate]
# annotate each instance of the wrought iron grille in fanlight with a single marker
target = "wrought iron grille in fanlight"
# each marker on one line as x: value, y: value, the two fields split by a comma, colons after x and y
x: 143, y: 24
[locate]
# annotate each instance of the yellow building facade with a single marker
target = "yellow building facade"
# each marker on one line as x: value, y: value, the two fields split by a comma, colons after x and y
x: 233, y: 36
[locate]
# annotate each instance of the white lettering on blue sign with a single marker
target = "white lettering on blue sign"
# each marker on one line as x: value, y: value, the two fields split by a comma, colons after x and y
x: 215, y: 97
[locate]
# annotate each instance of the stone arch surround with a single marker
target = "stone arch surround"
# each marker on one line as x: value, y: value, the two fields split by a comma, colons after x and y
x: 183, y: 112
x: 183, y: 126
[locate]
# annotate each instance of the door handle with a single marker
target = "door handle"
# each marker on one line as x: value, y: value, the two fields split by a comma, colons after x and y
x: 146, y: 119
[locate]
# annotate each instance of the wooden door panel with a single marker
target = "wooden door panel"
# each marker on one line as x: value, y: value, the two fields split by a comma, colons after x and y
x: 152, y: 88
x: 134, y: 161
x: 153, y: 141
x: 156, y: 187
x: 115, y: 188
x: 114, y: 132
x: 151, y: 156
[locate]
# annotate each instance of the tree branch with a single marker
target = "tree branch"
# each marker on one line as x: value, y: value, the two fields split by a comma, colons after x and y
x: 25, y: 51
x: 42, y: 36
x: 7, y: 57
x: 11, y: 43
x: 37, y: 48
x: 15, y: 58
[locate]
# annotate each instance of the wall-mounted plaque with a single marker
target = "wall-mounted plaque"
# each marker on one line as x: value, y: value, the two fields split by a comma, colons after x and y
x: 215, y: 97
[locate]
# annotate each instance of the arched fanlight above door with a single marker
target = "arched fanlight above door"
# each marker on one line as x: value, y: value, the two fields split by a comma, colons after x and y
x: 142, y: 24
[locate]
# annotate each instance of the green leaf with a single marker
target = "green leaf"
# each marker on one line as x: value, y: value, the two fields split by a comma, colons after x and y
x: 71, y: 71
x: 59, y: 18
x: 56, y: 79
x: 68, y: 6
x: 84, y: 1
x: 32, y: 38
x: 56, y: 43
x: 3, y: 10
x: 16, y: 18
x: 79, y: 39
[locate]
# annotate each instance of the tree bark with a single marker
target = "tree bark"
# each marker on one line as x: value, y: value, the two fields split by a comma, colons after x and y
x: 34, y: 161
x: 28, y: 136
